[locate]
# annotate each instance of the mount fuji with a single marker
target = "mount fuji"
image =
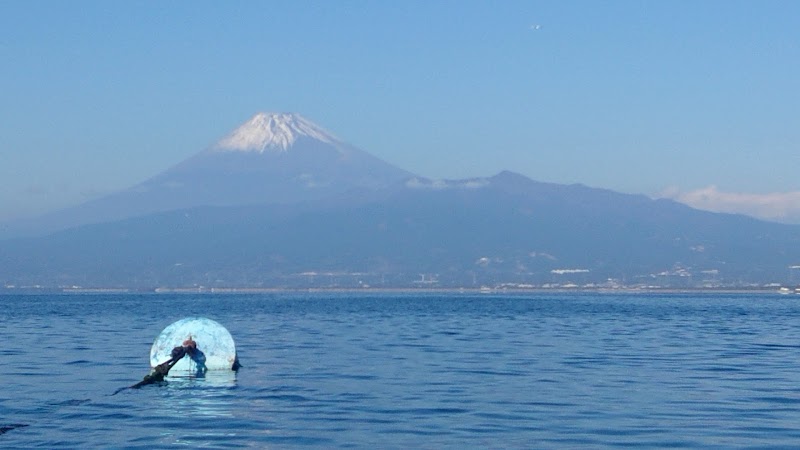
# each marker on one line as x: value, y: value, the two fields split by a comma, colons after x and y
x: 273, y: 158
x: 280, y: 202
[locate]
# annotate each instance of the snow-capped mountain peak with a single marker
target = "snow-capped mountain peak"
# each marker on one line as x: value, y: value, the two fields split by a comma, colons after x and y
x: 274, y: 132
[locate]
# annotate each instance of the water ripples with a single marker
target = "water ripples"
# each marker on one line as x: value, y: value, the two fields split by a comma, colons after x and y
x: 409, y: 371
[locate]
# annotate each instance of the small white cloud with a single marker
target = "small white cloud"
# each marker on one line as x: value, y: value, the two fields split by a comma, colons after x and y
x: 536, y: 27
x: 775, y: 206
x: 542, y: 255
x: 475, y: 183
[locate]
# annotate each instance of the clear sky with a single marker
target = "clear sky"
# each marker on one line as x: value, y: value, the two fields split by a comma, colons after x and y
x: 697, y: 100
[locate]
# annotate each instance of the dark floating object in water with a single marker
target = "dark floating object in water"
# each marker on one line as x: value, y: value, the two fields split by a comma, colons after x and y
x: 12, y: 426
x: 162, y: 370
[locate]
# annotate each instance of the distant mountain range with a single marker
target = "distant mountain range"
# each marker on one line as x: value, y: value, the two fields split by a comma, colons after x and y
x: 280, y: 202
x: 272, y: 158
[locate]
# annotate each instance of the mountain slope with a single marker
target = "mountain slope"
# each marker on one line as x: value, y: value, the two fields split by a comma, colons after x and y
x: 503, y: 229
x: 271, y: 158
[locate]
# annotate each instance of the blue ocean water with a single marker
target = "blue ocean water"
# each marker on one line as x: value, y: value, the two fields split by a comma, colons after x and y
x: 409, y: 370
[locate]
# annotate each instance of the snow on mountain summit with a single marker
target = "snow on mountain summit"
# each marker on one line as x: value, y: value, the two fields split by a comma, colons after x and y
x: 272, y: 132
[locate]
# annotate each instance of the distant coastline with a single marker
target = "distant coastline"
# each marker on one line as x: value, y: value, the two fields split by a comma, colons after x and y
x: 398, y: 290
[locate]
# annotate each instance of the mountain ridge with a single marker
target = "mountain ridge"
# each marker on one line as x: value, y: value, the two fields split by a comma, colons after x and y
x: 501, y: 233
x: 271, y: 158
x: 268, y: 216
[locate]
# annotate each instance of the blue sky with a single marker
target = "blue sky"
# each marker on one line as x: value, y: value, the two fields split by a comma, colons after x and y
x: 696, y: 100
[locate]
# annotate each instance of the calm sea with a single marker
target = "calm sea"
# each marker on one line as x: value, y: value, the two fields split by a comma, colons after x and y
x: 409, y: 370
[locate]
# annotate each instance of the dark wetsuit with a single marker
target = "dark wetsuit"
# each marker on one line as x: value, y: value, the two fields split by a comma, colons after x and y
x: 160, y: 371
